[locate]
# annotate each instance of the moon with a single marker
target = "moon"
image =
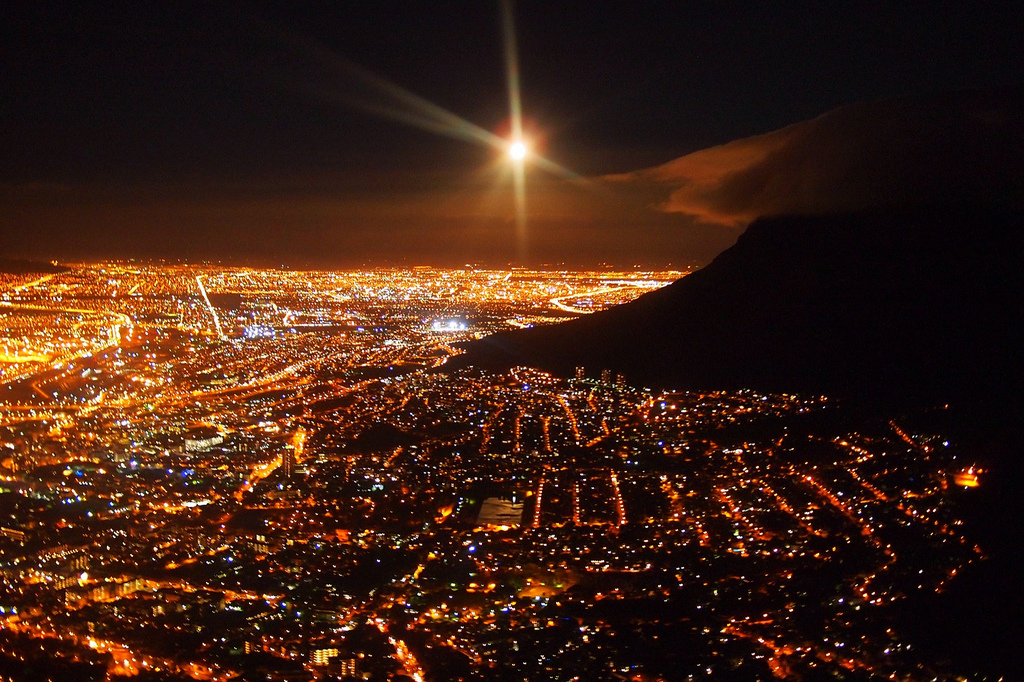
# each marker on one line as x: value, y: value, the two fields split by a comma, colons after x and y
x: 517, y: 151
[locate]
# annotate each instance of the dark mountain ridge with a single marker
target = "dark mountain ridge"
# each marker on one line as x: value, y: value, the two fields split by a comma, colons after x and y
x: 922, y: 303
x: 18, y: 266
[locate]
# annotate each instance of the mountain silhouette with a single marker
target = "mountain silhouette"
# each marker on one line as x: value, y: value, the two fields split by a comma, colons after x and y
x: 887, y: 269
x: 894, y: 304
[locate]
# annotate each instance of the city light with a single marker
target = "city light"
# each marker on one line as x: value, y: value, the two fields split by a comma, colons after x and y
x: 234, y: 462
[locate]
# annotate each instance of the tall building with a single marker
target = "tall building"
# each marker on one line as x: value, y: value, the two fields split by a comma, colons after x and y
x: 288, y: 461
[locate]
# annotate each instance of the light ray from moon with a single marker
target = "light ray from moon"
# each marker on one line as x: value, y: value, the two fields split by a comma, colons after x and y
x: 517, y: 150
x: 380, y: 97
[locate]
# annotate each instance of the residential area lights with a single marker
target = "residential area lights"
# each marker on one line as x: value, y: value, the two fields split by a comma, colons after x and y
x: 319, y: 501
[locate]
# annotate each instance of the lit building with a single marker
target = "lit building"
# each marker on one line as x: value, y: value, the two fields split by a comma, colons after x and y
x: 323, y: 656
x: 202, y: 440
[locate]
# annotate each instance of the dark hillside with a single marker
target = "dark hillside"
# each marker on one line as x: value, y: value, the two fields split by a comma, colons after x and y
x: 17, y: 266
x: 888, y: 304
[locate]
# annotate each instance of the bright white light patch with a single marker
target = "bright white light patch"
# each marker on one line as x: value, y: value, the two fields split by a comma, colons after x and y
x: 517, y: 151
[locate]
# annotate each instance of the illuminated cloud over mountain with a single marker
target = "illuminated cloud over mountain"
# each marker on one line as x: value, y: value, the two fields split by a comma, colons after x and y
x: 966, y: 147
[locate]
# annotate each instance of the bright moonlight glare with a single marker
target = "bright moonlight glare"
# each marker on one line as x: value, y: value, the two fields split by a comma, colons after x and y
x: 517, y: 151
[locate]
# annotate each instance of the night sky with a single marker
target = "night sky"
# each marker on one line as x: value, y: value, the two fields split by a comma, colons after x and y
x: 272, y: 134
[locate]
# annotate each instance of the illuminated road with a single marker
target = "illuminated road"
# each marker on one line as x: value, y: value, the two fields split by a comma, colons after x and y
x: 620, y: 506
x: 121, y: 327
x: 560, y: 302
x: 209, y: 306
x: 402, y: 654
x: 126, y: 661
x: 261, y: 471
x: 29, y: 285
x: 539, y: 502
